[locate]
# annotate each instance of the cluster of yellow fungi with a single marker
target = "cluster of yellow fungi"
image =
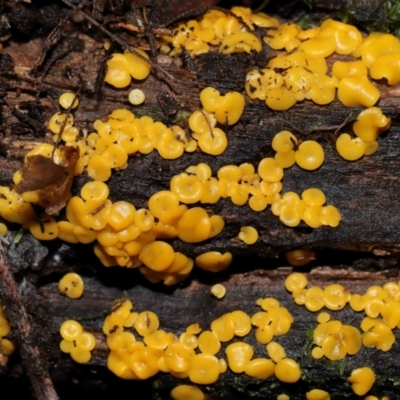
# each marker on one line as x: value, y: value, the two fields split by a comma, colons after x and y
x: 75, y: 342
x: 192, y: 354
x: 6, y: 345
x: 135, y: 238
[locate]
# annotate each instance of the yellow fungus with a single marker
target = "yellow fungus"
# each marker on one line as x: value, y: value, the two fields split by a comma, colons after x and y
x: 157, y: 256
x: 275, y: 351
x: 146, y: 323
x: 209, y: 342
x: 348, y: 148
x: 59, y: 120
x: 317, y: 394
x: 239, y: 42
x: 194, y: 226
x: 317, y: 353
x: 218, y: 291
x: 357, y: 92
x: 362, y: 380
x: 214, y: 142
x: 95, y: 190
x: 70, y: 330
x: 376, y: 45
x: 210, y: 99
x: 117, y: 73
x: 45, y: 229
x: 86, y: 341
x: 98, y: 169
x: 188, y: 188
x: 260, y: 368
x: 269, y: 170
x: 204, y: 369
x: 223, y: 327
x: 66, y: 100
x: 3, y: 229
x: 248, y: 234
x: 136, y: 97
x: 187, y: 392
x: 287, y: 370
x: 71, y: 285
x: 295, y: 281
x: 137, y: 68
x: 336, y: 297
x: 310, y: 155
x: 230, y: 108
x: 214, y: 261
x: 323, y: 317
x: 299, y: 258
x: 80, y: 356
x: 241, y: 323
x: 239, y: 354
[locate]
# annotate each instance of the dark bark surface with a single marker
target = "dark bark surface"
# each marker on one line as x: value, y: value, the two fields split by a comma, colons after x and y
x: 362, y: 251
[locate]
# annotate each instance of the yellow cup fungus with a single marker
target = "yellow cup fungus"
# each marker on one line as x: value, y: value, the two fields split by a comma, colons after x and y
x: 76, y: 342
x: 66, y: 100
x: 218, y: 291
x: 136, y: 97
x: 7, y: 347
x: 362, y: 380
x: 187, y: 392
x: 287, y: 370
x: 122, y: 67
x: 248, y: 234
x: 317, y: 394
x: 310, y: 155
x: 299, y: 258
x: 71, y: 285
x: 214, y: 261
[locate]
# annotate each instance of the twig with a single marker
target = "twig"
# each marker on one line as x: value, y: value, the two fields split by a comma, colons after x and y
x: 33, y: 362
x: 118, y: 40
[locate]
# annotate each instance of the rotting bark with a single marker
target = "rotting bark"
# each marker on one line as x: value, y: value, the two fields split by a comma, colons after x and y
x: 365, y: 192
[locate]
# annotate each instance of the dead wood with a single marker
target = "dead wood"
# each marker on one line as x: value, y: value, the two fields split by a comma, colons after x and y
x: 362, y: 251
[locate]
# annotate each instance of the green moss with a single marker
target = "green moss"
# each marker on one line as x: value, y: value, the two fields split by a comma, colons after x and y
x: 376, y: 17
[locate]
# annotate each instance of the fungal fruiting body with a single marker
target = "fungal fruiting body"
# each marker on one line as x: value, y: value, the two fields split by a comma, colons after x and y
x: 76, y: 342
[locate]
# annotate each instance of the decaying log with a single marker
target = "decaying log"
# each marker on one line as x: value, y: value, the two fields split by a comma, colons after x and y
x: 362, y: 251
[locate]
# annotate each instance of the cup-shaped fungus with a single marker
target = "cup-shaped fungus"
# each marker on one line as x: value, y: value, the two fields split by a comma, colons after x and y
x: 224, y: 327
x: 187, y: 392
x: 239, y: 354
x: 362, y: 380
x: 299, y: 258
x: 285, y: 36
x: 295, y: 281
x: 376, y: 45
x: 204, y: 369
x: 370, y: 123
x: 275, y: 351
x: 66, y: 100
x: 310, y: 155
x: 71, y: 285
x: 214, y: 261
x: 118, y: 71
x: 157, y: 256
x: 218, y: 291
x: 248, y: 234
x: 137, y: 67
x: 194, y: 226
x: 317, y: 394
x: 354, y: 92
x: 240, y: 42
x: 260, y: 368
x: 230, y: 109
x: 355, y: 69
x: 287, y: 370
x: 209, y: 342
